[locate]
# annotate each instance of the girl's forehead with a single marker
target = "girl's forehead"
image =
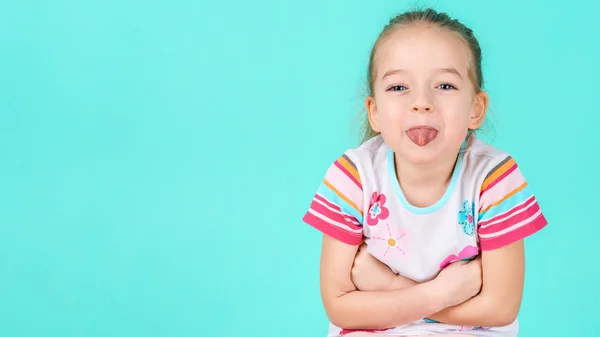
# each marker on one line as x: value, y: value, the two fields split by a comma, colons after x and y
x: 417, y: 49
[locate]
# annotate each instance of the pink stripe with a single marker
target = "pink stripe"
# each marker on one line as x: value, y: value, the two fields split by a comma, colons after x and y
x: 327, y: 202
x: 352, y: 220
x: 345, y: 185
x: 527, y: 203
x: 511, y: 228
x: 327, y: 212
x: 333, y: 215
x: 520, y: 217
x: 341, y: 225
x: 512, y: 168
x: 333, y: 231
x: 343, y: 169
x: 337, y: 208
x: 518, y: 234
x: 508, y: 184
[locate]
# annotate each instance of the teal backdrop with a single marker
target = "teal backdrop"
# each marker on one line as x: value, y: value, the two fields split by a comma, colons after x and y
x: 157, y: 157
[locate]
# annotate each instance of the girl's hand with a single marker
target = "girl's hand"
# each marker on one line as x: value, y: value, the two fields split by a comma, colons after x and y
x: 370, y: 274
x: 459, y: 282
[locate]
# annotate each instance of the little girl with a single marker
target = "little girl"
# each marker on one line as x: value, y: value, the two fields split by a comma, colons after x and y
x: 424, y: 223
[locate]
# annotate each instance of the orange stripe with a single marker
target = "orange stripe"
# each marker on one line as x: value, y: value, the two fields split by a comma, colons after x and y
x: 349, y: 168
x: 515, y: 191
x: 500, y: 171
x: 343, y: 197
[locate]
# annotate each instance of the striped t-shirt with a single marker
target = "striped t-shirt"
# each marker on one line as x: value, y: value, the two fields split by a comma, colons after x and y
x: 487, y: 205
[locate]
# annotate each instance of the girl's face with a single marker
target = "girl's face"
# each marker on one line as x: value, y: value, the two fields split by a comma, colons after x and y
x: 423, y: 99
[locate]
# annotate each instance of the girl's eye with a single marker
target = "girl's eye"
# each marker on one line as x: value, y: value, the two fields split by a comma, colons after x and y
x: 397, y: 88
x: 446, y: 86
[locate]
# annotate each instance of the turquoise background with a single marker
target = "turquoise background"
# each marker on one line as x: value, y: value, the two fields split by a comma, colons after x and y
x: 157, y: 157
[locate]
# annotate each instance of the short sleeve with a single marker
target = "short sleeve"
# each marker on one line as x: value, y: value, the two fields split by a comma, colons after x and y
x: 508, y: 209
x: 335, y: 209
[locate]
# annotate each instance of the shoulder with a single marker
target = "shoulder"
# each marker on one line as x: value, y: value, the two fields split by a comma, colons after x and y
x: 369, y: 153
x: 369, y: 158
x: 485, y: 161
x: 354, y: 168
x: 479, y: 152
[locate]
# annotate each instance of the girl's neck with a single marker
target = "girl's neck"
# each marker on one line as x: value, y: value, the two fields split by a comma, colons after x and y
x: 423, y: 185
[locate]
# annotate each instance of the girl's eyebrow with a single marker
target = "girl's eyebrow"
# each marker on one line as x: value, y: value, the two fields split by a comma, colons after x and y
x: 439, y: 70
x: 393, y: 72
x: 449, y: 70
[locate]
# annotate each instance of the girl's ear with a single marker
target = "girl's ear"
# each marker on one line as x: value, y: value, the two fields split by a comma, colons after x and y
x: 479, y: 110
x: 372, y: 113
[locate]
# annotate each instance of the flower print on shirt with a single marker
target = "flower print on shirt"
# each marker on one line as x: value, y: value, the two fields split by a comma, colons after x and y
x: 396, y: 241
x: 377, y: 209
x: 467, y: 253
x: 466, y: 218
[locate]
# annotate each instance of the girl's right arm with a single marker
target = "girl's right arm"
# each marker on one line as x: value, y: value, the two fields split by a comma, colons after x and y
x: 349, y: 308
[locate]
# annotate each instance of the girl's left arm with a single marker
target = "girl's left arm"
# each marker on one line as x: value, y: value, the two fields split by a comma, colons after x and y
x: 499, y: 301
x: 508, y: 213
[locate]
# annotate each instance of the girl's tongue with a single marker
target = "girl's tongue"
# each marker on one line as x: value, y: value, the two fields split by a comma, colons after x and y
x: 422, y: 135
